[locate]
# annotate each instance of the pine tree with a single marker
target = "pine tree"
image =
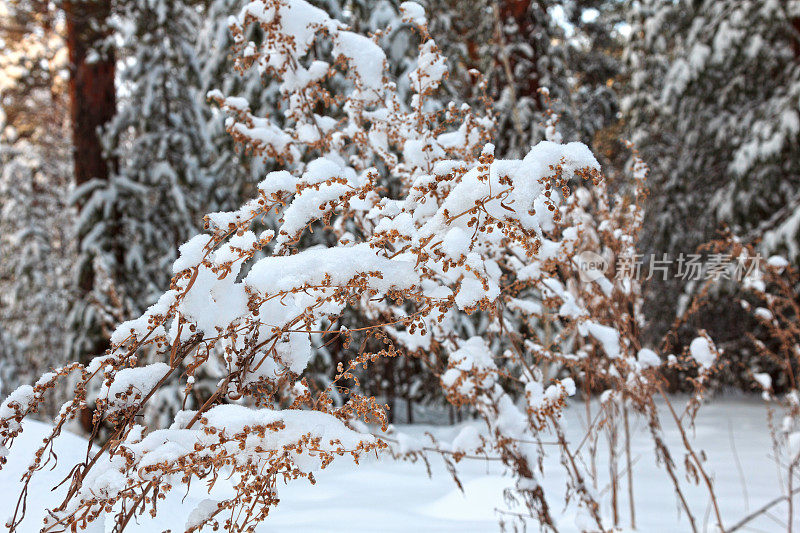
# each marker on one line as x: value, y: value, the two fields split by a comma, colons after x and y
x: 713, y: 109
x: 525, y: 47
x: 135, y: 221
x: 36, y: 255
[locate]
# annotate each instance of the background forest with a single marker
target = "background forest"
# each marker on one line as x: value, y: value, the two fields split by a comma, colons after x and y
x: 112, y: 153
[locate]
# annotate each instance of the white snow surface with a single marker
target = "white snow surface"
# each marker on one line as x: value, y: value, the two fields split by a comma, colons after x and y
x: 390, y: 496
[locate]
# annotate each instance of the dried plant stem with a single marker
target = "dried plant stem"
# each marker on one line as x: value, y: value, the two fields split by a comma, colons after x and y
x: 629, y: 462
x: 580, y: 482
x: 662, y: 449
x: 613, y: 470
x: 685, y: 438
x: 760, y: 511
x: 790, y: 498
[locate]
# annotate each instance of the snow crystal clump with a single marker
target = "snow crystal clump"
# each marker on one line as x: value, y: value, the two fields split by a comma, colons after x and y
x: 700, y: 349
x: 132, y: 384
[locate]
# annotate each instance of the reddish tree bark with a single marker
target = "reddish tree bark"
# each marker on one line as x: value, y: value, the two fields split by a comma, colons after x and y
x: 92, y: 102
x: 91, y: 85
x: 796, y: 40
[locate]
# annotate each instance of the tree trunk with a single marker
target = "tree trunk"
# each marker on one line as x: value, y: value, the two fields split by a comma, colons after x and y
x: 92, y: 100
x: 92, y: 97
x: 795, y: 21
x: 91, y: 85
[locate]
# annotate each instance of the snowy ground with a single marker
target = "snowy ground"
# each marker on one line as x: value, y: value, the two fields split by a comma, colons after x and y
x: 387, y: 496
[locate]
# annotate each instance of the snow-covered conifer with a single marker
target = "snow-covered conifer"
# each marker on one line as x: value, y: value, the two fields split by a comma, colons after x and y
x: 132, y: 224
x: 712, y: 107
x: 36, y: 247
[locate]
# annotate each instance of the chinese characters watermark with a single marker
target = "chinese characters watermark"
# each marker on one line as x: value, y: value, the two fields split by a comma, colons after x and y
x: 687, y: 267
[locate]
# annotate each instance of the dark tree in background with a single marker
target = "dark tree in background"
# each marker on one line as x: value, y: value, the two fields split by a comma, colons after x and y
x: 523, y: 46
x: 91, y: 84
x: 711, y: 102
x: 92, y: 105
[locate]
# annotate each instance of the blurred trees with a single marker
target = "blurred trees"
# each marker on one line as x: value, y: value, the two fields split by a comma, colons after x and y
x: 116, y: 90
x: 92, y: 97
x: 134, y: 219
x: 712, y: 102
x: 36, y: 236
x: 523, y: 46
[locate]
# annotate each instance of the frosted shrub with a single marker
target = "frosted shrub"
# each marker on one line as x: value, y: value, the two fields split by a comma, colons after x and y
x: 437, y: 246
x: 549, y: 322
x: 771, y: 297
x: 256, y: 303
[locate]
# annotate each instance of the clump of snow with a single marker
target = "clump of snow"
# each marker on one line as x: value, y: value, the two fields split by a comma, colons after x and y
x: 204, y: 510
x: 764, y: 380
x: 468, y: 440
x: 212, y: 302
x: 16, y: 404
x: 648, y: 358
x: 276, y: 182
x: 607, y: 336
x: 413, y: 12
x: 431, y: 68
x: 130, y: 385
x: 298, y: 19
x: 700, y: 350
x: 568, y: 385
x: 231, y: 250
x: 365, y: 58
x: 191, y: 253
x: 778, y: 262
x: 473, y: 356
x: 763, y: 313
x: 336, y: 265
